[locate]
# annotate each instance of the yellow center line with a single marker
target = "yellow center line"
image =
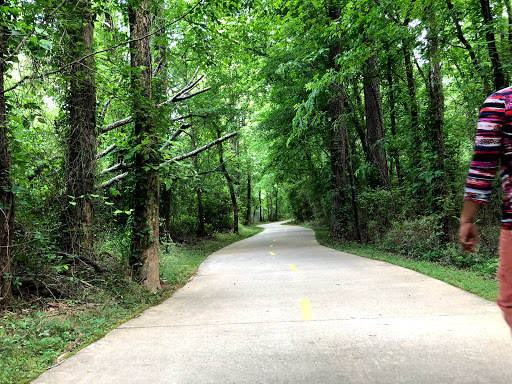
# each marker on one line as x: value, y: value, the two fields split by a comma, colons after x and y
x: 272, y: 246
x: 306, y: 309
x: 272, y: 253
x: 293, y: 267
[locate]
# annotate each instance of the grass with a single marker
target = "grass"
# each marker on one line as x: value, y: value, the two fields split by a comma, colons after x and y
x: 181, y: 262
x: 33, y: 336
x: 481, y: 284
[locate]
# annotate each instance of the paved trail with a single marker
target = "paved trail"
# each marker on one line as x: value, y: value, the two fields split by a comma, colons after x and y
x: 279, y: 308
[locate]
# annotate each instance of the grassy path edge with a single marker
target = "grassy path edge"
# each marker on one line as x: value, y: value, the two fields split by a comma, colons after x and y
x: 20, y: 364
x: 483, y: 285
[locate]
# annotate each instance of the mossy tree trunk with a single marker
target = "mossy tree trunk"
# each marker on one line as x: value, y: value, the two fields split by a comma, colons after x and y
x: 6, y: 195
x: 144, y: 258
x: 229, y: 180
x: 81, y: 139
x: 249, y: 196
x: 375, y: 123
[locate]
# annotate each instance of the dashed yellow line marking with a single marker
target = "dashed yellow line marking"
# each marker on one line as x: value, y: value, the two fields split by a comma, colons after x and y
x: 293, y: 267
x: 272, y: 246
x: 306, y: 309
x: 273, y: 240
x: 272, y: 253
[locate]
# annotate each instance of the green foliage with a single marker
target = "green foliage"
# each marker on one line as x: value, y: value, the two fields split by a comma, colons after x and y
x: 272, y: 67
x: 421, y: 239
x: 415, y: 238
x: 31, y: 338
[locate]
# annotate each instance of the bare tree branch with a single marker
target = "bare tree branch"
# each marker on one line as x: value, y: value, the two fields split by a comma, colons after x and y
x: 106, y: 151
x: 179, y: 131
x: 190, y: 116
x: 158, y: 67
x: 107, y: 104
x: 114, y: 180
x: 175, y: 135
x: 117, y: 124
x: 173, y: 160
x: 114, y: 168
x: 198, y: 150
x: 178, y: 96
x: 210, y: 171
x: 192, y: 83
x: 181, y: 98
x: 420, y: 70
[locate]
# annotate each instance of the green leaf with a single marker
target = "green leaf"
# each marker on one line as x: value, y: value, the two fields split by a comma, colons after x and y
x: 45, y: 44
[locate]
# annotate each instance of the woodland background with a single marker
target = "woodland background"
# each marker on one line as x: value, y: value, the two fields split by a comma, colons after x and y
x: 128, y: 127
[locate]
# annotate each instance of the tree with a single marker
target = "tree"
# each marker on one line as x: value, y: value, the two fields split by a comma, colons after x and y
x: 248, y: 213
x: 499, y: 77
x: 338, y: 136
x: 199, y: 191
x: 435, y: 133
x: 374, y: 122
x: 6, y: 195
x: 81, y: 139
x: 229, y: 181
x: 144, y: 257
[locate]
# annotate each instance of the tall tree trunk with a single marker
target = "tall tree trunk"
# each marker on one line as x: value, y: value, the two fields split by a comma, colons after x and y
x: 201, y: 232
x: 509, y: 13
x: 249, y: 196
x: 436, y: 99
x: 261, y: 215
x: 276, y: 212
x: 337, y: 156
x: 165, y: 213
x: 272, y: 218
x: 392, y: 106
x: 269, y: 218
x: 6, y: 195
x: 415, y: 128
x: 200, y: 212
x: 159, y: 96
x: 467, y: 45
x: 338, y: 138
x: 353, y: 186
x: 145, y: 237
x: 436, y: 124
x: 356, y: 117
x: 81, y: 139
x: 229, y: 180
x: 499, y: 77
x: 375, y: 122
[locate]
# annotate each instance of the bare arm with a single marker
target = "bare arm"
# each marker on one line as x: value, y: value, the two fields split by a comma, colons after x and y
x: 468, y: 234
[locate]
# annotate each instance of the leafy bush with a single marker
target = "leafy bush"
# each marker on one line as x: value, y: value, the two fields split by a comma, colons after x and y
x: 421, y: 239
x: 376, y: 212
x: 416, y: 238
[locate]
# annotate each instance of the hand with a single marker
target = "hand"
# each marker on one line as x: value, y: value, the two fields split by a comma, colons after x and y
x: 468, y: 235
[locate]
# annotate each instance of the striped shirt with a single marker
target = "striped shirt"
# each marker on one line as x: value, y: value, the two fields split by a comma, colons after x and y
x: 493, y: 146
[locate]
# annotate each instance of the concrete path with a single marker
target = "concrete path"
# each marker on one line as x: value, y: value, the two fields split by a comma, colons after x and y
x: 279, y: 308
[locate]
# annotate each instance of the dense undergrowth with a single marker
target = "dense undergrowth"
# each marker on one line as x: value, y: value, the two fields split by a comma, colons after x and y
x: 35, y: 334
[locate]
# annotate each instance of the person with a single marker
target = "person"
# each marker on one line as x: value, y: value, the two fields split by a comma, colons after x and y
x: 493, y: 146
